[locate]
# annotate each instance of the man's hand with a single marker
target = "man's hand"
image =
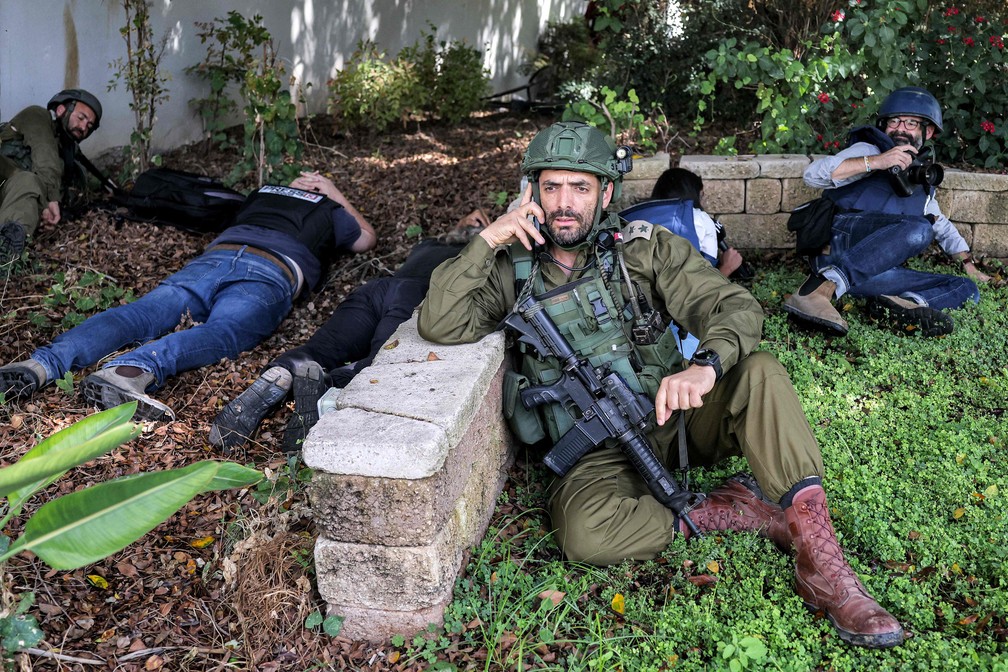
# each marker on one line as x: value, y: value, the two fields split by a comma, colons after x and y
x: 683, y: 390
x: 731, y: 259
x: 475, y: 219
x: 900, y: 155
x: 516, y: 225
x: 971, y: 269
x: 51, y: 213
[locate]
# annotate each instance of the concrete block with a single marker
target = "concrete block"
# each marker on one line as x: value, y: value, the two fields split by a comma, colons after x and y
x: 782, y: 166
x: 743, y: 166
x: 962, y: 180
x: 634, y: 191
x: 404, y: 508
x: 980, y: 207
x: 794, y: 192
x: 763, y: 196
x: 990, y: 240
x: 648, y: 167
x: 758, y: 231
x: 724, y: 196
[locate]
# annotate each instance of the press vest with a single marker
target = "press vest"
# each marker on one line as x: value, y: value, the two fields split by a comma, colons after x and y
x: 597, y: 322
x: 305, y: 216
x: 874, y: 193
x: 675, y: 214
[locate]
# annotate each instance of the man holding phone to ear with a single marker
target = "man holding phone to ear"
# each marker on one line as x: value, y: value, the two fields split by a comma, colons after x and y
x: 733, y: 400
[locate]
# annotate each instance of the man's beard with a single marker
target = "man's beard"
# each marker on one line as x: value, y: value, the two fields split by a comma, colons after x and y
x: 570, y: 237
x: 902, y: 138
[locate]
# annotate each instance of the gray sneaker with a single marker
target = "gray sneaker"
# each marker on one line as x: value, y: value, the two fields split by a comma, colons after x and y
x: 238, y: 421
x: 12, y: 242
x: 905, y: 316
x: 22, y: 379
x: 106, y: 389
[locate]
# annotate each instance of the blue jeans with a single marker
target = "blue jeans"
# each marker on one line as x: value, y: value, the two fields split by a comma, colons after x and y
x: 238, y: 298
x: 866, y: 258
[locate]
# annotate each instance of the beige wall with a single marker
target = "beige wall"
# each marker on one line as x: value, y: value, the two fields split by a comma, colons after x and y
x: 49, y: 45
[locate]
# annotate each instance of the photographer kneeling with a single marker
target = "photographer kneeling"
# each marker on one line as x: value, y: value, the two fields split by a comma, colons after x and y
x: 883, y: 184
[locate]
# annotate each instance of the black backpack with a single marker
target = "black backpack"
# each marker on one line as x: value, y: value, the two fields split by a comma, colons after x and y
x: 186, y: 200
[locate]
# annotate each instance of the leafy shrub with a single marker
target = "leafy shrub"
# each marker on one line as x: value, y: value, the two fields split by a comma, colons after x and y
x: 372, y: 91
x: 867, y: 50
x: 450, y: 78
x: 445, y: 80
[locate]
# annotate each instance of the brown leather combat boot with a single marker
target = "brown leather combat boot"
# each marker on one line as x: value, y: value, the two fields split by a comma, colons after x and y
x: 816, y: 305
x: 739, y: 505
x: 827, y: 583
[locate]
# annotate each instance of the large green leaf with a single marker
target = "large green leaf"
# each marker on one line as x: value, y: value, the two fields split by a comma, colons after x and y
x: 93, y: 523
x: 230, y: 475
x: 82, y: 441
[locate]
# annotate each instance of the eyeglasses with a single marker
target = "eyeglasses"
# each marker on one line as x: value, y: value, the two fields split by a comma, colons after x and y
x: 909, y: 124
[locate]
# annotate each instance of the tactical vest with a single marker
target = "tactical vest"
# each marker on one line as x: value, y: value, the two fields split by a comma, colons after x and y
x: 874, y: 193
x: 13, y: 146
x: 596, y: 319
x: 305, y: 216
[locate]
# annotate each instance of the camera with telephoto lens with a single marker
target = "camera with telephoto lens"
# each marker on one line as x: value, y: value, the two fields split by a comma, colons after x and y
x: 922, y: 170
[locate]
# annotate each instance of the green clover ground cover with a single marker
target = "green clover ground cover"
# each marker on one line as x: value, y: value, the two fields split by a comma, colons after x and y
x: 914, y: 439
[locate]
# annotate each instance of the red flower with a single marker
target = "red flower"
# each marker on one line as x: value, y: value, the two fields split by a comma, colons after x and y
x: 968, y: 41
x: 987, y: 126
x: 837, y: 16
x: 836, y: 143
x: 951, y: 11
x: 819, y: 137
x: 823, y: 98
x: 980, y: 19
x: 996, y: 41
x: 951, y: 29
x: 940, y: 41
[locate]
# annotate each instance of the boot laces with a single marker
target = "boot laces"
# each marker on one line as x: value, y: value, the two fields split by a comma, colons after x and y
x: 826, y: 546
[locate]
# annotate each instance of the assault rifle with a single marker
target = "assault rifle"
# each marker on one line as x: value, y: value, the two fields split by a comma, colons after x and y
x: 609, y: 409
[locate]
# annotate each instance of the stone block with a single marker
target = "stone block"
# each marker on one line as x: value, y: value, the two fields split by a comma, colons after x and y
x: 763, y: 196
x: 739, y: 167
x: 794, y: 192
x: 758, y: 231
x: 648, y: 167
x: 634, y: 191
x: 990, y: 240
x: 407, y: 506
x: 979, y: 207
x: 962, y: 180
x: 782, y: 166
x: 724, y: 196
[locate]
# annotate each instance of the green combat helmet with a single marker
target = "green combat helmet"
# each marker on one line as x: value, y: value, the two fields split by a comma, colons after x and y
x: 70, y: 98
x: 578, y: 147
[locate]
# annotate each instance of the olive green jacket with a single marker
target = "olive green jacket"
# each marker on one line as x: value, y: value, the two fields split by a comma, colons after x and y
x: 35, y: 128
x: 470, y: 294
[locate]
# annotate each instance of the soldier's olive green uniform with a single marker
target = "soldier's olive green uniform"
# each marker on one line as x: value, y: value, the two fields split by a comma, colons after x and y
x: 31, y: 168
x: 602, y: 510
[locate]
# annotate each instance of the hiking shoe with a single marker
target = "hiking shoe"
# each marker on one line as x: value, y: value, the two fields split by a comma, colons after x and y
x: 12, y: 242
x: 905, y: 316
x: 238, y: 421
x: 816, y: 305
x: 309, y: 385
x: 106, y: 389
x: 22, y: 379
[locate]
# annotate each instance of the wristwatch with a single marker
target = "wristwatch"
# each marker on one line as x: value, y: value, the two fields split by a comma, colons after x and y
x: 707, y: 357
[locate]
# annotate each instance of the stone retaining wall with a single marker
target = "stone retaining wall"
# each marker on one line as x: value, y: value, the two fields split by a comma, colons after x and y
x: 753, y: 195
x: 407, y: 472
